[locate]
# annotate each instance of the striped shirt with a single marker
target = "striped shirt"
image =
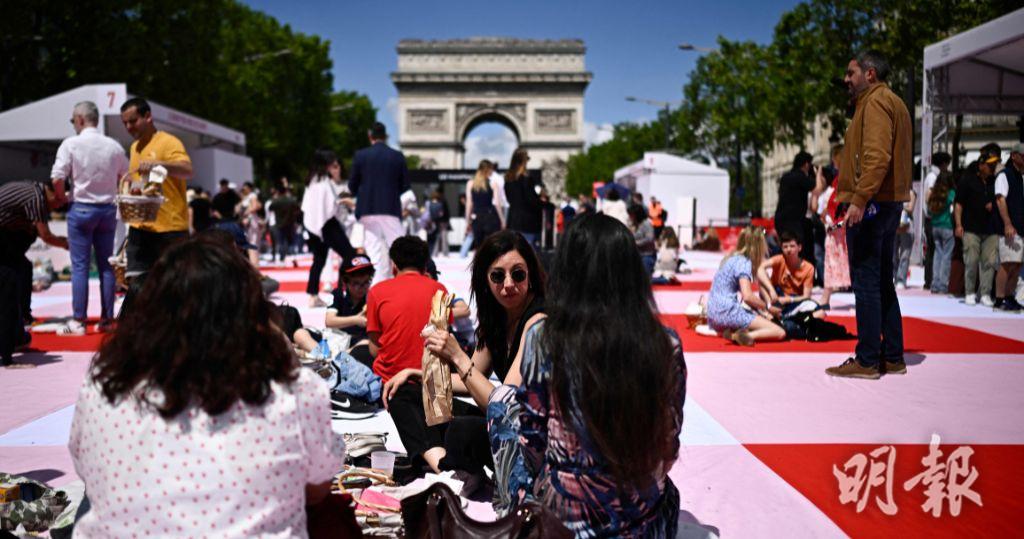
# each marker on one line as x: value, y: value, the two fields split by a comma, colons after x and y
x: 22, y: 204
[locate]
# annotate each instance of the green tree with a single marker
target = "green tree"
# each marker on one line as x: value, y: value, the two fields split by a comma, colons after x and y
x: 214, y: 58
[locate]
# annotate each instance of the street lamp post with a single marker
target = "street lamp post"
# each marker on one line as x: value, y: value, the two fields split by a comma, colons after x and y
x: 262, y: 55
x: 664, y: 105
x: 692, y: 47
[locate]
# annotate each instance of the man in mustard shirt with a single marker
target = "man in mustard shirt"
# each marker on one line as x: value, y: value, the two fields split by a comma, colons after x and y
x: 147, y: 241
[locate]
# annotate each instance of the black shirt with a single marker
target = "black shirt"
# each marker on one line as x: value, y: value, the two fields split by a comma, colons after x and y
x: 502, y: 364
x: 225, y: 202
x: 524, y: 205
x: 973, y: 194
x: 793, y: 190
x: 285, y: 210
x: 201, y: 216
x: 343, y: 304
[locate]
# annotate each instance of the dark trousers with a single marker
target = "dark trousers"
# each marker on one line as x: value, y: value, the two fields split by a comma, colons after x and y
x: 143, y: 248
x: 464, y: 438
x: 879, y: 321
x: 929, y: 253
x: 12, y: 330
x: 333, y: 238
x: 282, y: 236
x: 14, y: 244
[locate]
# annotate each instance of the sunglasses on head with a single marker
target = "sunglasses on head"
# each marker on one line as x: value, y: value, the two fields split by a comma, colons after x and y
x: 498, y: 276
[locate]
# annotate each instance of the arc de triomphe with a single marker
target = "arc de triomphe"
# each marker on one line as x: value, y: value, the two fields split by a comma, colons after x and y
x: 448, y: 87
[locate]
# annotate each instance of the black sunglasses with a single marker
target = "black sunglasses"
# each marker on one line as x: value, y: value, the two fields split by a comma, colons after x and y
x: 498, y: 276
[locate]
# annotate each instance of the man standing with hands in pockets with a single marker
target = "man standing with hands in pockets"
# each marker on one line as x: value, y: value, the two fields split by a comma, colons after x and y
x: 874, y: 180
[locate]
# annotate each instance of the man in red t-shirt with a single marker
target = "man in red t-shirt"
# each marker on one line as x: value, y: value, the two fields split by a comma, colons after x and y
x: 396, y: 312
x: 398, y: 308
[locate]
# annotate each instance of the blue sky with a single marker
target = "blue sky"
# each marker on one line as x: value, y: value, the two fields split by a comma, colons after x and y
x: 631, y: 46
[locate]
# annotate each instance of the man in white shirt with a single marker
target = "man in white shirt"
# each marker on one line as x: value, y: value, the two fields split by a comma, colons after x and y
x: 94, y: 163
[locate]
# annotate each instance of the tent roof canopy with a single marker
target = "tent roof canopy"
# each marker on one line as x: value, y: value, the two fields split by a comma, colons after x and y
x: 980, y: 71
x: 665, y: 163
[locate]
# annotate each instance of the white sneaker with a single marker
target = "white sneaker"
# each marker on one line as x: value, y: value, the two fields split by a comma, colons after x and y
x: 970, y: 300
x: 901, y: 286
x: 72, y: 328
x: 987, y: 301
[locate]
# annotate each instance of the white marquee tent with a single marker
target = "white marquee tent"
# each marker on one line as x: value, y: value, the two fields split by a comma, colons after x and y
x: 693, y: 194
x: 980, y: 71
x: 30, y: 135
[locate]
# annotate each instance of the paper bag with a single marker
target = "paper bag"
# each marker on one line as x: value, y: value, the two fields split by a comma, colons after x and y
x: 437, y: 376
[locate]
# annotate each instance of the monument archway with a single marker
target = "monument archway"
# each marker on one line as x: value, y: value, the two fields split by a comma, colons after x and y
x: 448, y: 87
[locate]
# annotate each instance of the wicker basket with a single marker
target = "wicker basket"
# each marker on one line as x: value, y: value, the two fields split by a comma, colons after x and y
x: 139, y: 209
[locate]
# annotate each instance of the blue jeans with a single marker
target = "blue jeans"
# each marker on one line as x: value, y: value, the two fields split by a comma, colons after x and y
x: 649, y: 261
x: 879, y: 321
x: 467, y: 244
x: 941, y: 258
x: 91, y: 230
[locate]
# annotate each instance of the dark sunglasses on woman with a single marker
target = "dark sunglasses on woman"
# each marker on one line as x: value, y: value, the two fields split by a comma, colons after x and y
x: 498, y: 276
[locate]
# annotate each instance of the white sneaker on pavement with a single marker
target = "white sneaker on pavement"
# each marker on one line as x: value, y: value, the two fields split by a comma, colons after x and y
x: 987, y: 301
x: 970, y: 300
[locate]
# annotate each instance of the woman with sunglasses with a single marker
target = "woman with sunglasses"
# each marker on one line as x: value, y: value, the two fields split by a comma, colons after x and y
x: 593, y: 427
x: 508, y: 286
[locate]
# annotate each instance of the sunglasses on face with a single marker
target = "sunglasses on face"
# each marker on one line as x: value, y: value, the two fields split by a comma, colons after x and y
x: 498, y: 276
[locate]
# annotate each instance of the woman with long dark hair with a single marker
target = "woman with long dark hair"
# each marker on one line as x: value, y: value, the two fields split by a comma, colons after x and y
x: 508, y: 287
x: 196, y: 418
x: 523, y: 196
x: 593, y: 429
x: 320, y: 208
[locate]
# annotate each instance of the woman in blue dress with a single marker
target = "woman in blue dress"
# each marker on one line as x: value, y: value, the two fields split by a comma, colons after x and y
x: 726, y: 312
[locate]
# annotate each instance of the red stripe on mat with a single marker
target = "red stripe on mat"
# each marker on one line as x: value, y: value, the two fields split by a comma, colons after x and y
x: 1000, y: 483
x: 918, y: 336
x: 701, y: 286
x: 51, y: 342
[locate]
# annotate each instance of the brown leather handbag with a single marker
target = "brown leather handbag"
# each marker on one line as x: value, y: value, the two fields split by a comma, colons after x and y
x: 436, y: 513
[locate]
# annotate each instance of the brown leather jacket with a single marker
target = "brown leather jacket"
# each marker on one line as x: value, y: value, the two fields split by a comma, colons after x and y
x: 877, y: 157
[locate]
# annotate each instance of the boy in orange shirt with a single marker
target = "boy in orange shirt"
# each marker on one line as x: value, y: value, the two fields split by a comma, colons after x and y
x: 792, y: 278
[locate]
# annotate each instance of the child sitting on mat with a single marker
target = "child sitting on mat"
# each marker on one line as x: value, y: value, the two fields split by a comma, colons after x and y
x: 668, y: 258
x: 726, y: 313
x: 792, y: 279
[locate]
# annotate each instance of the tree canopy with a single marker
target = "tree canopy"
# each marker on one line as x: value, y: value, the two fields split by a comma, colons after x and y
x: 215, y: 58
x: 751, y: 95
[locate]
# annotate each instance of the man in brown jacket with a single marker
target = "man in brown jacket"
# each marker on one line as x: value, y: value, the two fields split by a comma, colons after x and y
x: 874, y: 180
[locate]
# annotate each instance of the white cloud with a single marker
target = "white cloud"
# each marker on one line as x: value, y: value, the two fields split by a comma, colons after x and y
x: 492, y: 143
x: 596, y: 134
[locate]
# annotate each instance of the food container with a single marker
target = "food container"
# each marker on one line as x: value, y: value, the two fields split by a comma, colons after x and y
x: 139, y: 209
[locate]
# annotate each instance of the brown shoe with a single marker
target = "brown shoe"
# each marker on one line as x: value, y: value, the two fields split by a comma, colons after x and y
x: 851, y: 369
x: 742, y: 337
x: 895, y: 367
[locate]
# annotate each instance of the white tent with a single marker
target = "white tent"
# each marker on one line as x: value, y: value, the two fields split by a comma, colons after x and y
x: 980, y: 71
x: 693, y: 194
x: 30, y: 134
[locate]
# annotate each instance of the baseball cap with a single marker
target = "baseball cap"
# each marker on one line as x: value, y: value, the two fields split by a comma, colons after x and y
x: 356, y: 263
x: 1017, y: 147
x: 990, y: 159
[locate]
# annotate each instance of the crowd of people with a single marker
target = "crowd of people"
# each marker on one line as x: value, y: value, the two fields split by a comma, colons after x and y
x: 197, y: 416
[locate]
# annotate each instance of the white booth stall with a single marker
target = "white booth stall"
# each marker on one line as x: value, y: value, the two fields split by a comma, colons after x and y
x: 693, y: 194
x: 31, y: 133
x: 980, y: 71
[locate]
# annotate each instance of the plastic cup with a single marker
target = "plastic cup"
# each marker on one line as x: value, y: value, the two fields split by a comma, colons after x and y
x: 383, y: 461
